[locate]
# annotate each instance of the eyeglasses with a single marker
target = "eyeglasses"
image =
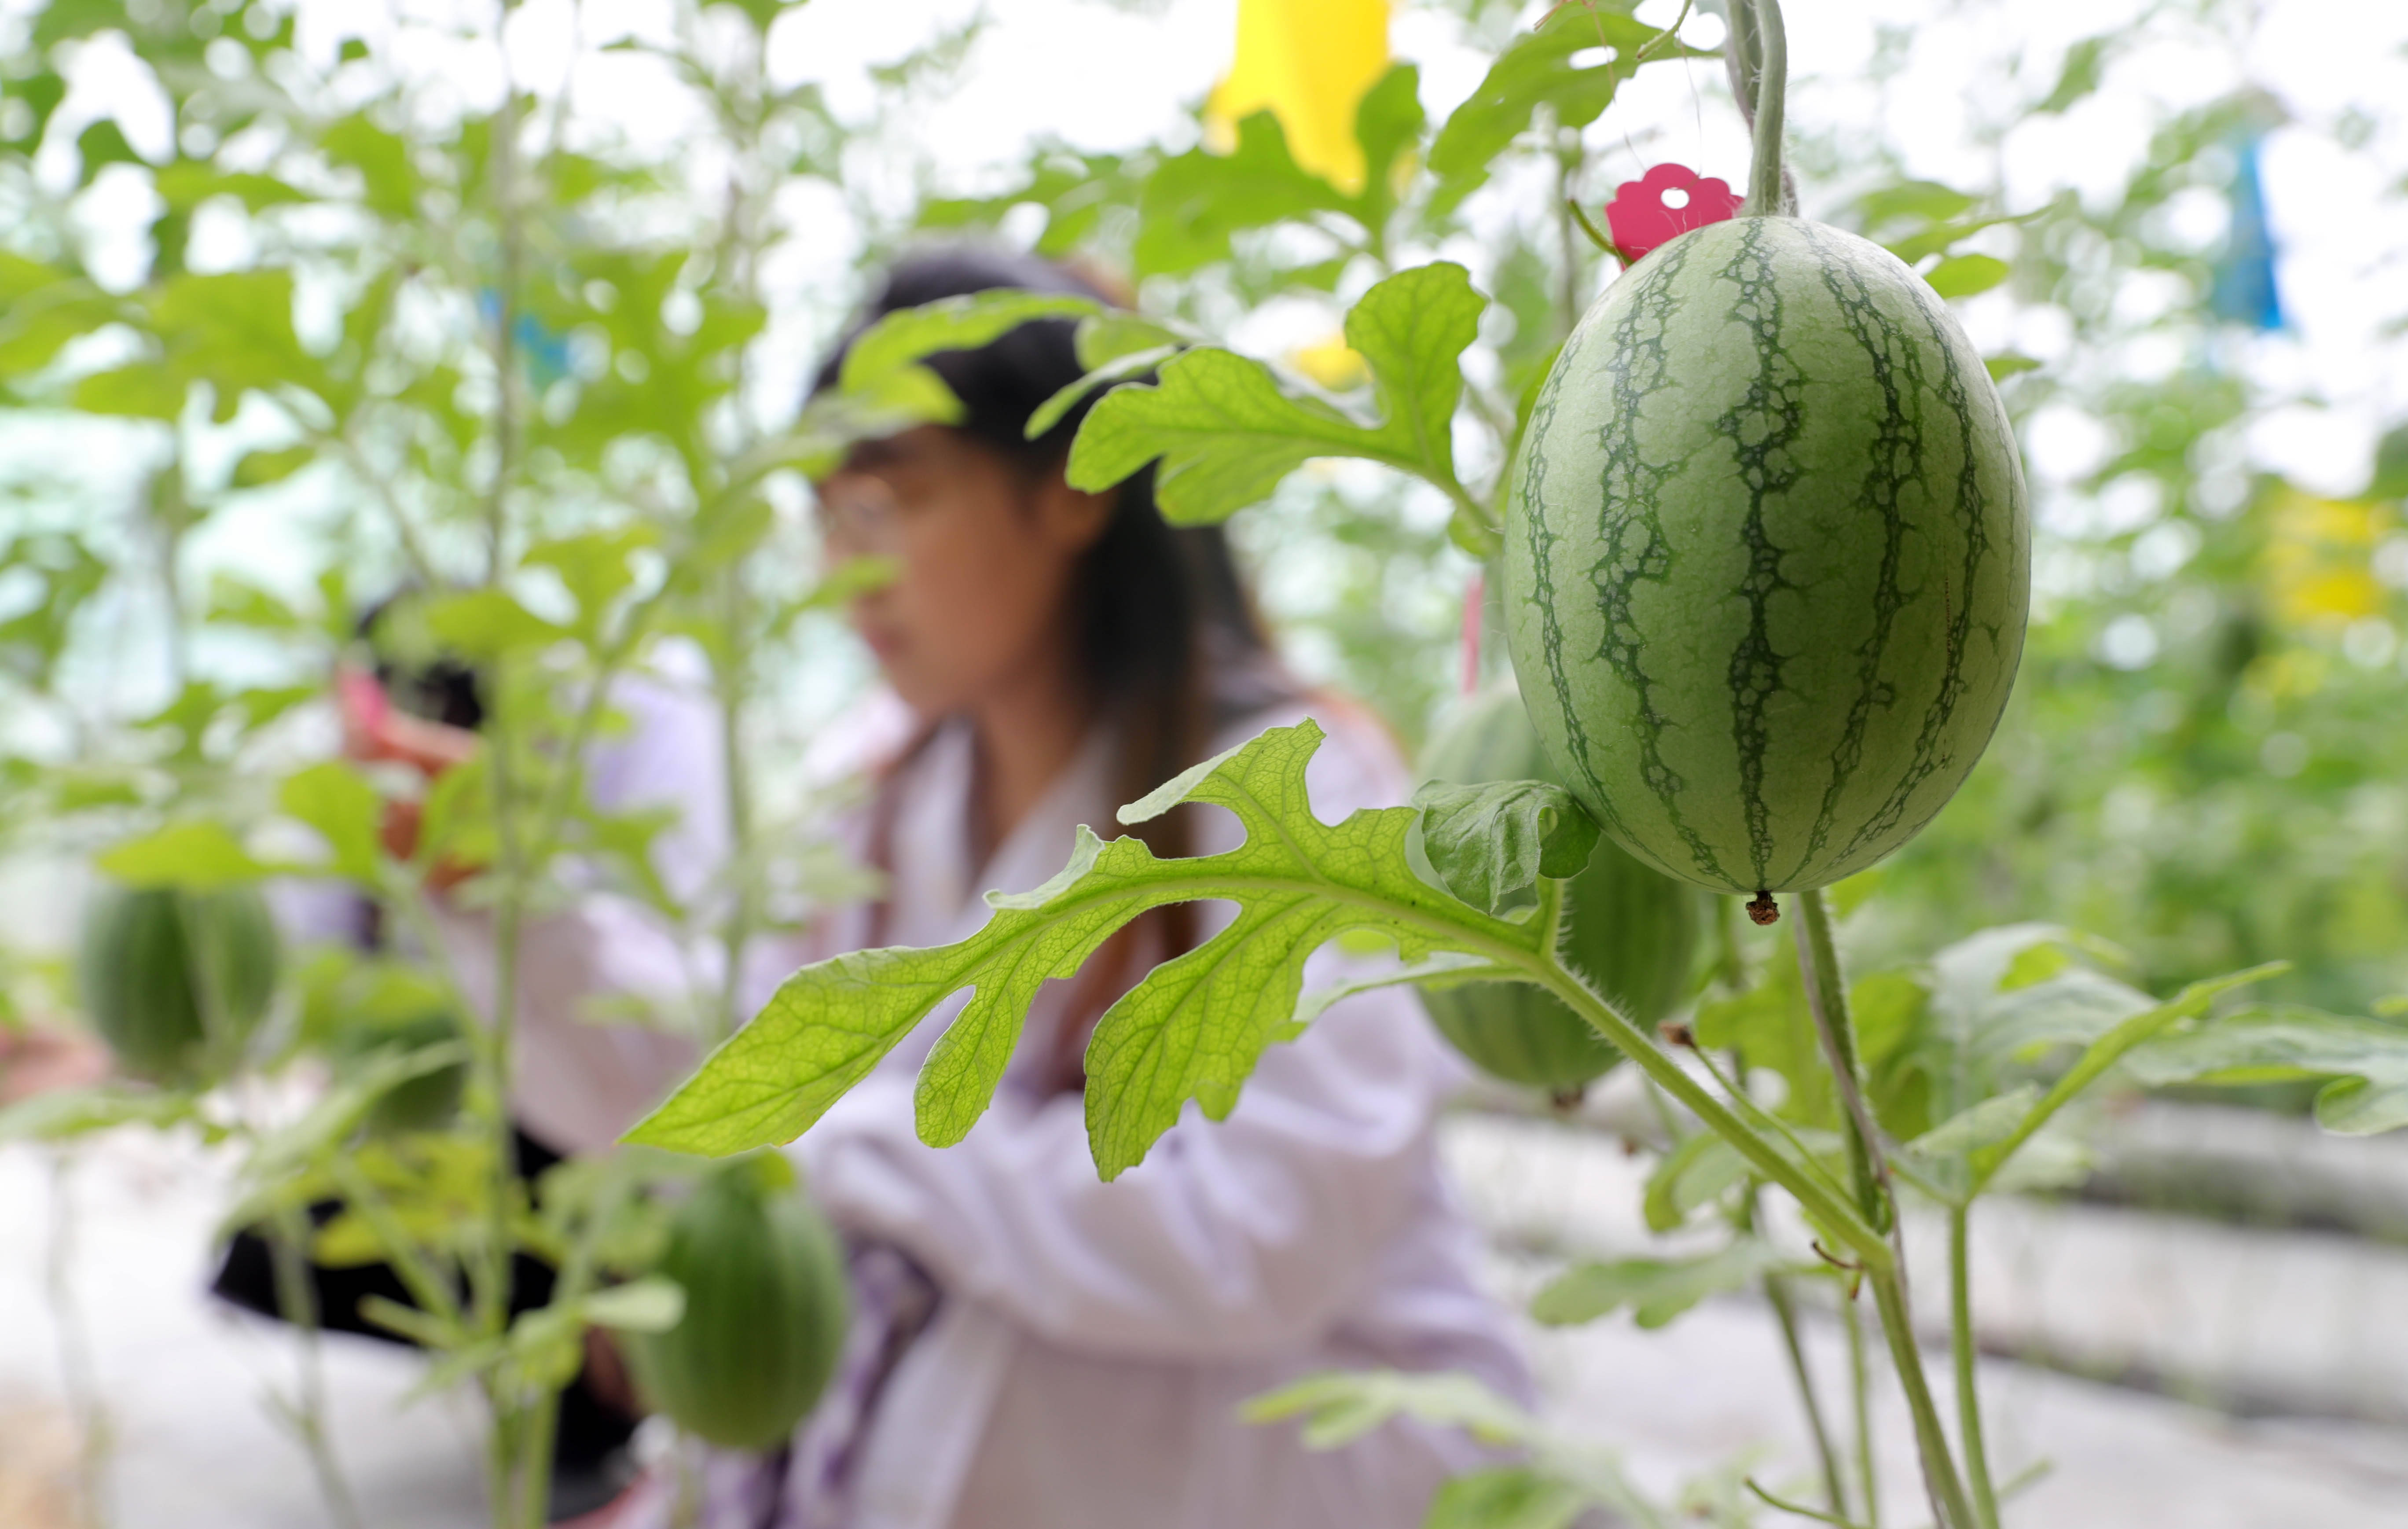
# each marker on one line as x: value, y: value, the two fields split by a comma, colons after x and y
x: 859, y: 514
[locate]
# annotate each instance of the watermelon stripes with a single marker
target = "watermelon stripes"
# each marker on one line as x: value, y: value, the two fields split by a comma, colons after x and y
x: 1767, y: 557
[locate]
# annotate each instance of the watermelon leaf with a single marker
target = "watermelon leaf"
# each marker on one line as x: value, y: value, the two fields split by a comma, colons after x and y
x: 1505, y: 1498
x: 1225, y: 431
x: 2367, y: 1060
x: 1489, y: 841
x: 197, y: 854
x: 902, y: 339
x: 1691, y: 1176
x: 1963, y: 276
x: 67, y: 1113
x: 1192, y: 1030
x: 333, y: 797
x: 1191, y: 204
x: 884, y: 387
x: 2105, y: 1052
x: 1551, y: 64
x: 1340, y: 1407
x: 1561, y: 1479
x: 1655, y: 1290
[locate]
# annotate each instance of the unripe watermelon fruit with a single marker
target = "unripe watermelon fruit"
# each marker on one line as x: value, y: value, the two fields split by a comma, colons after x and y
x: 767, y: 1306
x: 426, y: 1102
x: 149, y: 957
x: 1766, y: 557
x: 1631, y: 930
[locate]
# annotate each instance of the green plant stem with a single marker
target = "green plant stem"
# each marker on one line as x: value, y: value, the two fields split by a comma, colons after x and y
x: 426, y: 1285
x: 1949, y: 1505
x: 1963, y: 1349
x: 1546, y: 966
x: 75, y: 1371
x: 1764, y: 185
x: 1568, y: 232
x: 1772, y: 1126
x: 1826, y: 1001
x: 287, y: 1247
x: 379, y: 484
x: 1860, y: 1393
x: 1511, y: 946
x: 744, y: 899
x: 507, y: 1463
x: 539, y: 1427
x: 577, y: 1277
x: 1669, y: 33
x: 1785, y: 1311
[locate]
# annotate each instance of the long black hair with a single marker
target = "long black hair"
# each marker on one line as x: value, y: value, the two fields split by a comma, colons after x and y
x: 1170, y: 647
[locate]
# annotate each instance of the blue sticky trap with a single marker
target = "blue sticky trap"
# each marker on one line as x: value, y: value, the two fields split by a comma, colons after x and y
x: 2245, y: 291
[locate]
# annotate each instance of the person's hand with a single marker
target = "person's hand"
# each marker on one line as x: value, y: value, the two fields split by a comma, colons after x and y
x: 43, y: 1059
x: 397, y: 830
x: 374, y: 731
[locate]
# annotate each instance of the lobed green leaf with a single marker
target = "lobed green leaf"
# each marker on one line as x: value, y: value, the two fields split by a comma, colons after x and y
x: 1655, y: 1290
x: 1490, y: 842
x: 1225, y: 431
x: 1338, y: 1407
x: 2366, y: 1060
x: 1537, y: 69
x: 1192, y: 1030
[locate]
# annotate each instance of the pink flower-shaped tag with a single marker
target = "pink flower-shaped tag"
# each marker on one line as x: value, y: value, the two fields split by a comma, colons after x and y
x: 1641, y: 219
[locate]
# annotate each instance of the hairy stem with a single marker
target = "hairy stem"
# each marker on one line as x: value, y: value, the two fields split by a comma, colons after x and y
x: 1862, y: 1237
x: 1826, y: 1001
x: 1567, y: 163
x: 1785, y: 1310
x: 1939, y: 1479
x: 1969, y: 1398
x: 1764, y: 182
x: 1860, y: 1393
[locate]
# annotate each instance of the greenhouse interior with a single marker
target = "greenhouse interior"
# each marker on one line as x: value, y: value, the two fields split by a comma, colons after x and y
x: 1222, y: 764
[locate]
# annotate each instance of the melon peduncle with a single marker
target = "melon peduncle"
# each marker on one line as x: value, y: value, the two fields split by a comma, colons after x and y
x: 1764, y: 197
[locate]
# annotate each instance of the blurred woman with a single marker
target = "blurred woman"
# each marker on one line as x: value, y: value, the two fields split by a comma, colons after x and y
x: 1036, y: 1349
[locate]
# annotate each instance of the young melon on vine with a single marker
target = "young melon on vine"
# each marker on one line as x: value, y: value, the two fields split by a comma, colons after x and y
x: 767, y: 1306
x: 1631, y: 931
x: 175, y: 981
x: 1767, y: 555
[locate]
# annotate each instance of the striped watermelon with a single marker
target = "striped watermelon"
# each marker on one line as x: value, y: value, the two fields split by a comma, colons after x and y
x: 1629, y: 930
x: 768, y: 1308
x: 175, y: 981
x: 1766, y: 557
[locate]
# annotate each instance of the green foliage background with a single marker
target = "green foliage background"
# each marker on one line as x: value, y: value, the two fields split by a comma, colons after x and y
x: 321, y: 375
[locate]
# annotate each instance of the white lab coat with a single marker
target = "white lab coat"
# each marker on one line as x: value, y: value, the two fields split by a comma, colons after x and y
x: 1093, y: 1341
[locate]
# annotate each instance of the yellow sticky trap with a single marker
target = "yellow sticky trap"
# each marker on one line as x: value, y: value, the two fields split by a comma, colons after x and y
x: 2318, y: 557
x: 1309, y: 63
x: 1332, y: 363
